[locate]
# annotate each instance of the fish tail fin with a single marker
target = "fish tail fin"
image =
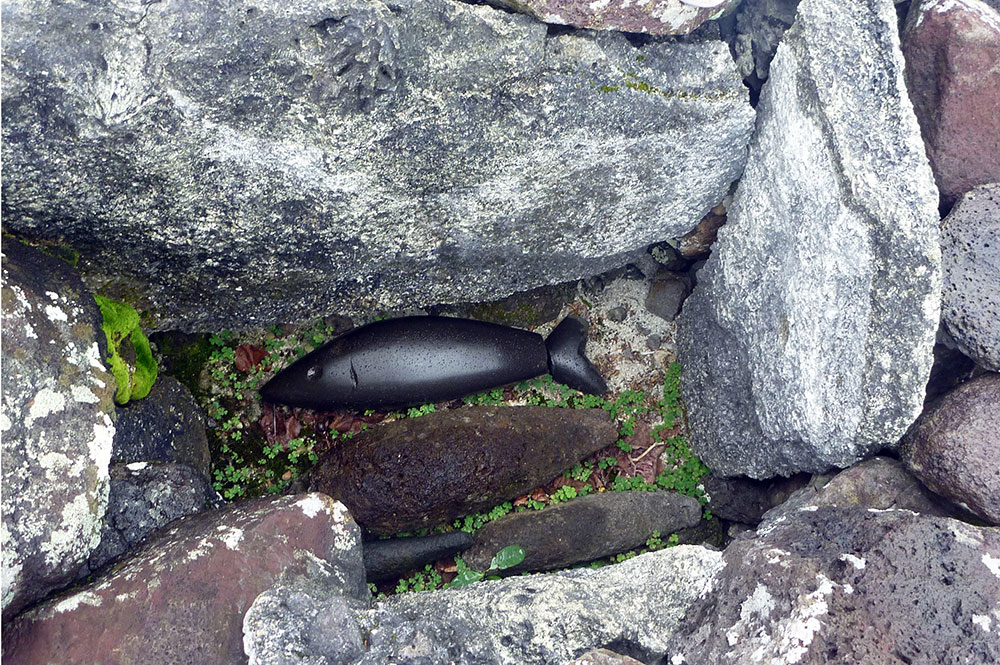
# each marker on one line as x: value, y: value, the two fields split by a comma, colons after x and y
x: 567, y: 362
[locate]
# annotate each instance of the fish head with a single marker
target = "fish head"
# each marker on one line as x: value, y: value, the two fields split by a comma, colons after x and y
x: 323, y: 379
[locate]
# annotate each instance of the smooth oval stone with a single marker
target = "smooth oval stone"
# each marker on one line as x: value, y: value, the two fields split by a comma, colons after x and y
x: 583, y: 529
x: 386, y: 559
x: 420, y: 472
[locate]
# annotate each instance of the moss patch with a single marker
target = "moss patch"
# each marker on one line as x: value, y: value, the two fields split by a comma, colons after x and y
x: 130, y: 360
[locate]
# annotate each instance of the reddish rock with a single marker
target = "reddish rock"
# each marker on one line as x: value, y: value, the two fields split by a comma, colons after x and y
x: 655, y: 17
x: 419, y: 472
x: 952, y: 51
x: 952, y: 448
x: 181, y: 598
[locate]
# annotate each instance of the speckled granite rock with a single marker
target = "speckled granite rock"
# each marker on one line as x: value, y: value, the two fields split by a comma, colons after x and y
x: 308, y: 619
x: 952, y: 50
x: 239, y: 163
x: 181, y: 598
x: 633, y: 607
x: 655, y: 17
x: 970, y: 256
x: 56, y: 425
x: 848, y: 585
x: 808, y: 341
x: 953, y: 448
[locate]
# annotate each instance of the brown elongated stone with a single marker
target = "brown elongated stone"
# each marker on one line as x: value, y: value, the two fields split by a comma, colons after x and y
x: 420, y: 472
x: 584, y: 529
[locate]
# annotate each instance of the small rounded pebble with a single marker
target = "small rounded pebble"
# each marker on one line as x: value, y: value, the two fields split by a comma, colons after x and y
x: 617, y: 314
x: 654, y: 341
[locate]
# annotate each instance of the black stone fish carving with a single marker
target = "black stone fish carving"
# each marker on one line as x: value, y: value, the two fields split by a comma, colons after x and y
x: 418, y: 359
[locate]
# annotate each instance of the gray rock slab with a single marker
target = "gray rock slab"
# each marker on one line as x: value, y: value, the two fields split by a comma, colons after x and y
x: 849, y: 585
x: 145, y: 496
x: 165, y: 426
x: 584, y: 529
x: 56, y: 425
x: 970, y: 256
x: 808, y: 341
x: 182, y: 597
x: 633, y: 608
x: 228, y: 164
x: 953, y: 447
x: 420, y: 472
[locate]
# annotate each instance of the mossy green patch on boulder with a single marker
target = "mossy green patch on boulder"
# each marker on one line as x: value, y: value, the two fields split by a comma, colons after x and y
x: 130, y: 358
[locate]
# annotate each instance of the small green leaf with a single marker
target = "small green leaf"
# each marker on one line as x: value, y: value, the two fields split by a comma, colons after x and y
x: 508, y: 557
x: 466, y: 577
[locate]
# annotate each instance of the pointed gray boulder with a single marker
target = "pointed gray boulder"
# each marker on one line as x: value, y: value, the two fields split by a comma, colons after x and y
x: 807, y: 343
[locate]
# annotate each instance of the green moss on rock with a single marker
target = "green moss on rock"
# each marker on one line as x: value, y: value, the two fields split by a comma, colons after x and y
x: 130, y: 358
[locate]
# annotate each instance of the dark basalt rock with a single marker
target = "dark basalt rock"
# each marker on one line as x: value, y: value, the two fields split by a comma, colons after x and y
x: 424, y: 471
x: 850, y: 585
x: 584, y: 529
x: 386, y: 559
x: 745, y: 500
x: 166, y: 426
x: 145, y: 496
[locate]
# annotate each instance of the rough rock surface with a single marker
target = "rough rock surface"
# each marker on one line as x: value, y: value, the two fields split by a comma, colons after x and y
x: 393, y: 557
x: 667, y: 292
x: 970, y: 257
x: 808, y: 341
x: 584, y: 529
x: 306, y: 619
x: 632, y: 608
x: 418, y: 472
x: 56, y: 425
x: 952, y: 50
x: 165, y: 426
x: 879, y: 483
x: 181, y: 597
x: 760, y: 24
x: 239, y: 163
x: 145, y: 496
x: 655, y: 17
x: 848, y: 585
x: 953, y: 447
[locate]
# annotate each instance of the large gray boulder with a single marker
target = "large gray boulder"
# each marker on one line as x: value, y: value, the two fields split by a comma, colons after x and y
x: 228, y: 163
x: 808, y: 341
x: 634, y: 607
x: 56, y: 425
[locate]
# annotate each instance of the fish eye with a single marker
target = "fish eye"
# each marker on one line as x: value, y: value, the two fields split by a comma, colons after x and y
x: 314, y: 372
